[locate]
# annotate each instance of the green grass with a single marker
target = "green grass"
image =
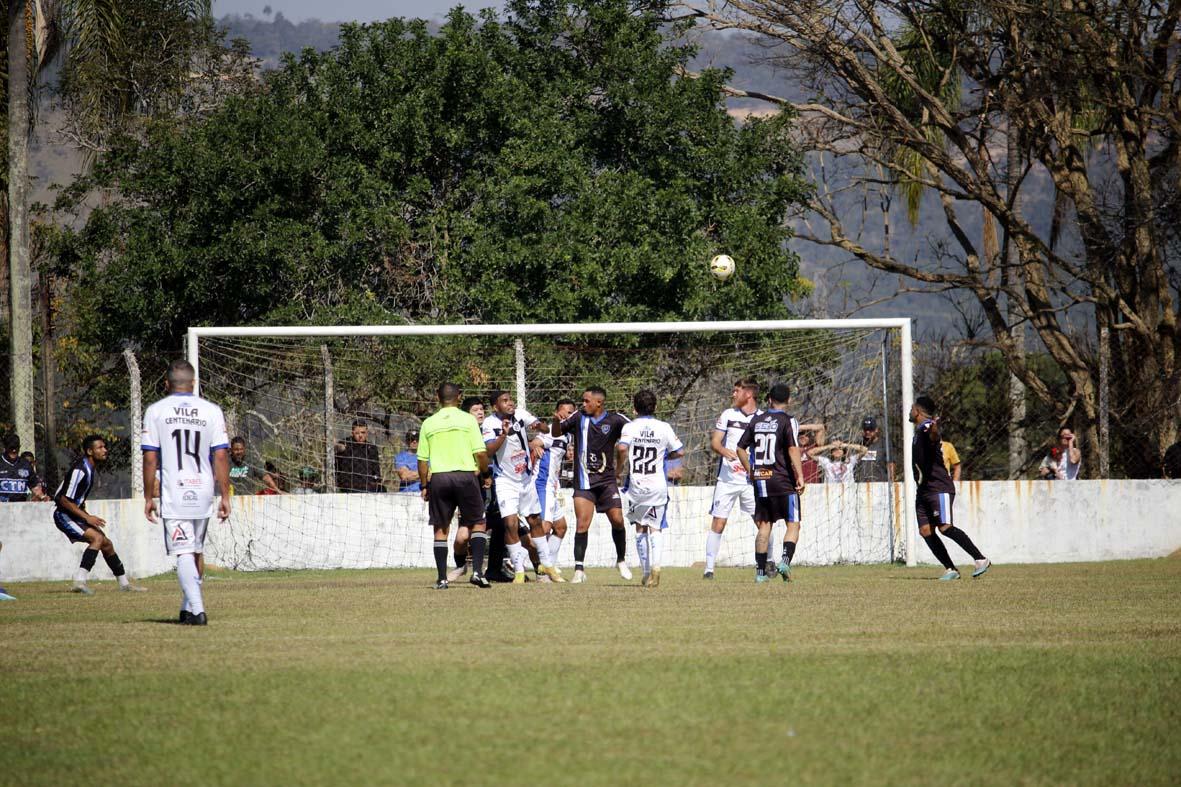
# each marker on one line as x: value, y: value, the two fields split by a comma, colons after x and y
x: 849, y: 675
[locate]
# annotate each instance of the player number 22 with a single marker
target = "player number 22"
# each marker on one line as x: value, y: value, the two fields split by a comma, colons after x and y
x: 644, y: 460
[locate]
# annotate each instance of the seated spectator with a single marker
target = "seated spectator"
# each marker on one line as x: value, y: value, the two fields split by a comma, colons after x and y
x: 307, y: 482
x: 844, y: 457
x: 406, y: 465
x: 1063, y: 460
x: 274, y: 481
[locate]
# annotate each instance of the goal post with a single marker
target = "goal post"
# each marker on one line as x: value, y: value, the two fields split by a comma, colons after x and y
x: 514, y: 336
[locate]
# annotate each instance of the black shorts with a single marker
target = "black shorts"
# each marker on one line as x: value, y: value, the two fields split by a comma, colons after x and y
x: 606, y: 496
x: 775, y: 507
x: 934, y: 508
x: 449, y: 491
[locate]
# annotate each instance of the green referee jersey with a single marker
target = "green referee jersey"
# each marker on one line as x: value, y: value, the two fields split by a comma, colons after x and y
x: 449, y: 440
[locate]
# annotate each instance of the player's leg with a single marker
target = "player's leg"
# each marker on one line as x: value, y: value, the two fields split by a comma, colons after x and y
x: 441, y: 504
x: 472, y: 515
x: 93, y: 538
x: 584, y: 512
x: 719, y: 510
x: 185, y: 539
x: 948, y: 528
x: 762, y: 541
x: 548, y: 559
x: 657, y: 523
x: 116, y: 565
x: 4, y: 596
x: 926, y: 515
x: 642, y: 552
x: 791, y: 537
x: 609, y: 503
x: 508, y: 496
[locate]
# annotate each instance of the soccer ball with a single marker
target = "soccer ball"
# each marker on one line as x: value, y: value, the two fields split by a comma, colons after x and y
x: 722, y: 267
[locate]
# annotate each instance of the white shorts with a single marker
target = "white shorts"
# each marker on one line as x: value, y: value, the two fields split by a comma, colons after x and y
x: 185, y: 536
x: 648, y: 515
x: 726, y: 495
x: 516, y: 498
x: 551, y: 504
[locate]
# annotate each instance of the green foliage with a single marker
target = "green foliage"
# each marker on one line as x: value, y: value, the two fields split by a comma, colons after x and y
x: 548, y: 167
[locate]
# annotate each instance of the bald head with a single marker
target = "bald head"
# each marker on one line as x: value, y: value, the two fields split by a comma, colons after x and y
x: 181, y: 376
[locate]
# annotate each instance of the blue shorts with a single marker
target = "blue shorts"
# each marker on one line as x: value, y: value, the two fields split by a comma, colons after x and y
x: 934, y: 508
x: 74, y: 530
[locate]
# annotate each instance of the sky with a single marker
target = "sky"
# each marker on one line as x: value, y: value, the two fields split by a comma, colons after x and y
x: 347, y: 10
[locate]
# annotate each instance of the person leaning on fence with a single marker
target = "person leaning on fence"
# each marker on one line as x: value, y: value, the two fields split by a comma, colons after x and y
x: 406, y: 464
x: 451, y: 457
x: 358, y: 466
x: 1063, y: 460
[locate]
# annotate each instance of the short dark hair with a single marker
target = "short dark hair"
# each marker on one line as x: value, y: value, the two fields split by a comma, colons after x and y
x: 470, y: 402
x: 563, y: 401
x: 779, y: 393
x: 495, y: 394
x: 238, y: 440
x: 448, y: 392
x: 89, y: 440
x: 360, y: 422
x: 28, y: 456
x: 749, y: 384
x: 597, y: 390
x: 181, y: 372
x: 1062, y: 429
x: 926, y: 403
x: 644, y: 402
x: 12, y: 442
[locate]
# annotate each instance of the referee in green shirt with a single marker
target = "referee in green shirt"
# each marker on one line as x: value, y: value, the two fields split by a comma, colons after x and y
x: 451, y: 455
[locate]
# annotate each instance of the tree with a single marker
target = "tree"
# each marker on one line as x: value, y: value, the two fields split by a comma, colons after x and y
x: 552, y: 166
x: 1090, y: 94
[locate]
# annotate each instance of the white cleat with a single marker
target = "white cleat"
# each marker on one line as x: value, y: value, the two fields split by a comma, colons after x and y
x: 624, y: 571
x: 81, y: 587
x: 579, y: 577
x: 129, y: 588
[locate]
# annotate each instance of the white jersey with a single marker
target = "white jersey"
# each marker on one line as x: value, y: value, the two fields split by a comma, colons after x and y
x: 511, y: 461
x: 649, y: 441
x: 837, y: 472
x: 549, y: 469
x: 185, y: 430
x: 732, y: 423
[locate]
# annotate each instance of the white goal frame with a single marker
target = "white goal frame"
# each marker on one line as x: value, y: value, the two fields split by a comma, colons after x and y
x: 903, y: 324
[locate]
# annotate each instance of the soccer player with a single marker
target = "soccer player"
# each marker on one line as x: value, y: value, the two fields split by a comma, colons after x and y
x: 770, y: 453
x: 549, y: 472
x: 936, y: 492
x: 596, y: 488
x: 643, y: 446
x: 185, y: 441
x: 80, y: 527
x: 451, y: 458
x: 505, y: 434
x: 732, y: 487
x: 459, y: 548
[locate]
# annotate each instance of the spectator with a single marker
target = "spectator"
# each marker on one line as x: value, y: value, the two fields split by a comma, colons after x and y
x: 32, y: 460
x: 406, y: 465
x: 18, y: 478
x: 274, y: 481
x: 808, y: 461
x: 1063, y: 460
x: 951, y: 460
x: 358, y: 466
x: 872, y: 465
x: 844, y: 459
x: 307, y: 482
x: 244, y: 479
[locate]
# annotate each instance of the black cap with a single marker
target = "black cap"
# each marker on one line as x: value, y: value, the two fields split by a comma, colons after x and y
x: 869, y: 422
x: 412, y: 435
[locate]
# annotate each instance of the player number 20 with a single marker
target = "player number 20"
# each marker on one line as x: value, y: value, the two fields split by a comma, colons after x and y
x: 765, y: 448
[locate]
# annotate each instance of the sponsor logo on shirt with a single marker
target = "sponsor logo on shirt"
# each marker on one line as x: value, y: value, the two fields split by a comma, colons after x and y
x: 189, y: 496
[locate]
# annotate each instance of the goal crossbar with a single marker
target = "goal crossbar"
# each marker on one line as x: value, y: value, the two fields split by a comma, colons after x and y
x: 902, y: 324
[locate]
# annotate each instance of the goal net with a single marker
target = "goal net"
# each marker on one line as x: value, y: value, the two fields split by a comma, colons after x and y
x: 294, y: 396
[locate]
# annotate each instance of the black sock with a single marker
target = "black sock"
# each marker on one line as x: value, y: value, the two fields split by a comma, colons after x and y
x: 939, y: 550
x: 115, y: 564
x: 441, y: 558
x: 88, y: 558
x: 580, y: 540
x: 961, y: 538
x: 476, y: 545
x: 460, y: 559
x: 761, y: 562
x: 789, y: 551
x: 619, y: 536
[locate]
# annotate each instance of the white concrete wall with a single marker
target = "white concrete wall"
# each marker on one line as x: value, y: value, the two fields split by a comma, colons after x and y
x: 1011, y: 521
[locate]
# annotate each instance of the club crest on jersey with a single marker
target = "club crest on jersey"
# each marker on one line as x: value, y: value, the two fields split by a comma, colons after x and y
x: 605, y: 428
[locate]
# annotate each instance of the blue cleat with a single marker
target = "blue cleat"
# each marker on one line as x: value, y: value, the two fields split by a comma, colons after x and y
x: 950, y: 575
x: 784, y: 570
x: 981, y: 567
x: 5, y: 597
x: 760, y: 578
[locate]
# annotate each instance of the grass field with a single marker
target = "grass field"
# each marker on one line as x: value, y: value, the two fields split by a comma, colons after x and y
x: 878, y: 674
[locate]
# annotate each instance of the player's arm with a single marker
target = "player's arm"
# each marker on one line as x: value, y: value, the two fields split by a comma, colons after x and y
x: 151, y: 466
x: 424, y: 464
x: 492, y: 444
x: 621, y: 460
x: 479, y: 449
x: 221, y: 474
x: 73, y: 509
x: 717, y: 445
x: 793, y: 454
x: 955, y: 472
x: 743, y: 451
x: 536, y: 449
x: 558, y: 428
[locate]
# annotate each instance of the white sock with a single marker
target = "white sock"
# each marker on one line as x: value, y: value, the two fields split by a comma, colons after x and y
x: 713, y: 543
x: 554, y: 543
x: 190, y: 585
x: 654, y: 547
x: 123, y: 581
x: 642, y: 550
x: 518, y: 554
x: 542, y: 551
x: 82, y: 576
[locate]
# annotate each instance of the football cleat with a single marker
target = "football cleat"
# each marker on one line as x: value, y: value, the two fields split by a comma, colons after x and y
x: 950, y: 575
x: 519, y: 578
x: 479, y: 581
x: 761, y: 578
x: 579, y: 577
x: 198, y: 620
x: 654, y: 578
x: 185, y: 617
x: 784, y: 570
x: 772, y: 569
x: 644, y: 579
x: 4, y: 596
x: 981, y: 566
x: 551, y: 574
x: 81, y: 587
x: 708, y: 575
x: 129, y: 588
x: 624, y: 571
x: 442, y: 584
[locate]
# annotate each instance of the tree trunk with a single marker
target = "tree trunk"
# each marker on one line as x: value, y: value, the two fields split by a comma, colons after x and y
x: 1018, y: 446
x: 19, y: 274
x: 48, y: 466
